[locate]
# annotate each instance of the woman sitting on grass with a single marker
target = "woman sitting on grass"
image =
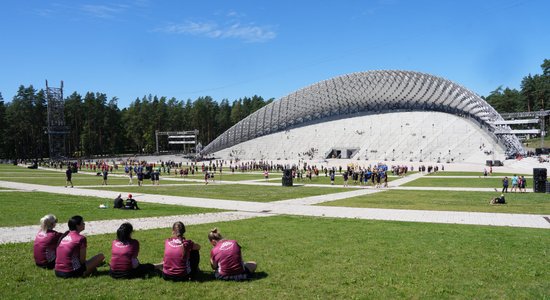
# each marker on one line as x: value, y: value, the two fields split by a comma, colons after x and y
x: 124, y: 253
x: 498, y: 200
x: 71, y: 252
x: 45, y: 242
x: 181, y: 256
x: 226, y: 259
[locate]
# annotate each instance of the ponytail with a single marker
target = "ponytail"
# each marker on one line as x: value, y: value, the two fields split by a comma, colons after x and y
x: 178, y: 230
x: 47, y: 222
x: 214, y: 235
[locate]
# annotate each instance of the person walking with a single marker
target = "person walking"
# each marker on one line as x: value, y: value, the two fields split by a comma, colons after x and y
x: 105, y: 174
x: 69, y: 176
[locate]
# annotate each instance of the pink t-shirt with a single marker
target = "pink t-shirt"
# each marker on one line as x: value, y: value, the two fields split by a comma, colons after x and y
x: 44, y: 246
x: 68, y: 252
x: 124, y: 256
x: 176, y: 257
x: 227, y: 255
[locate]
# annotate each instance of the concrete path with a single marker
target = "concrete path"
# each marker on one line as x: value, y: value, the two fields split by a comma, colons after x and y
x: 23, y: 234
x: 300, y: 206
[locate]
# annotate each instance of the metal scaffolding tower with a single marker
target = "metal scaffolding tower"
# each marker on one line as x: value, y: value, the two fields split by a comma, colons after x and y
x: 56, y: 129
x: 184, y: 138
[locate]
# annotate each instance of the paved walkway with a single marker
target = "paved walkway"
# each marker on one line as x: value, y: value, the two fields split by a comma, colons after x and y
x: 26, y: 233
x: 299, y: 206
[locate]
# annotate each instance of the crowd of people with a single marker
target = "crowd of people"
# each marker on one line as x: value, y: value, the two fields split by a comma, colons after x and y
x: 66, y: 254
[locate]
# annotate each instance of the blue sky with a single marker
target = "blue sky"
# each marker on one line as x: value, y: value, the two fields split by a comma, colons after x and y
x: 232, y: 49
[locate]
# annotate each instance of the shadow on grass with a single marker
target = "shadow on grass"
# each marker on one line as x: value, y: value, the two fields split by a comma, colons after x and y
x: 203, y: 276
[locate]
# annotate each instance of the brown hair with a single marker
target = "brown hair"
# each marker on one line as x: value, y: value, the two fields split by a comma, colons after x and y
x: 178, y: 229
x: 214, y: 235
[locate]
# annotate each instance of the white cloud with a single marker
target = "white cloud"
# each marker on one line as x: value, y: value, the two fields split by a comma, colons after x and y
x: 248, y: 33
x: 234, y: 14
x: 103, y: 11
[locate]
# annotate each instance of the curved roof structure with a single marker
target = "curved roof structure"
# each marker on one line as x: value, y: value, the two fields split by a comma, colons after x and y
x: 364, y: 93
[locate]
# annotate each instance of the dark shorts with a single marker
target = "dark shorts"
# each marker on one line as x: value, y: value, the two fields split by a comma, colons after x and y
x: 238, y: 277
x: 185, y: 277
x: 50, y: 265
x: 73, y: 274
x: 143, y: 270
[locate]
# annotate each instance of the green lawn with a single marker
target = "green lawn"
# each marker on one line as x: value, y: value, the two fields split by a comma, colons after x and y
x: 320, y: 258
x: 480, y: 173
x: 526, y: 203
x: 239, y: 192
x: 229, y: 176
x: 26, y: 208
x: 58, y: 179
x: 489, y: 182
x: 535, y: 143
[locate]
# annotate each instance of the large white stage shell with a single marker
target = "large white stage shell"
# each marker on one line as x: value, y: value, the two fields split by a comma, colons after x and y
x: 380, y: 115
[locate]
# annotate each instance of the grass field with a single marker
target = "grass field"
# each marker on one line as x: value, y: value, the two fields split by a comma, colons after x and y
x: 489, y: 182
x: 453, y: 173
x: 314, y: 258
x: 523, y: 203
x: 231, y: 177
x: 232, y: 191
x: 298, y: 257
x: 26, y: 208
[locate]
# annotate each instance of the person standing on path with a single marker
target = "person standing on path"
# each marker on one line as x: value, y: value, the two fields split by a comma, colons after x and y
x: 345, y: 175
x: 522, y: 185
x: 105, y: 174
x: 515, y: 183
x: 505, y: 183
x: 69, y: 176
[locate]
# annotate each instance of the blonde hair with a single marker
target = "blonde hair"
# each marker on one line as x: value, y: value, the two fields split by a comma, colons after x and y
x: 214, y: 235
x: 47, y: 222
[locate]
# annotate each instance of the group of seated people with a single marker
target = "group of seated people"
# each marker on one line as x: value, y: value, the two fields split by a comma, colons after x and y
x: 130, y: 203
x: 66, y: 254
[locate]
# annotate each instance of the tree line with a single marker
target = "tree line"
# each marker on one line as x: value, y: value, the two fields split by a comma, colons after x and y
x: 97, y: 126
x: 533, y: 95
